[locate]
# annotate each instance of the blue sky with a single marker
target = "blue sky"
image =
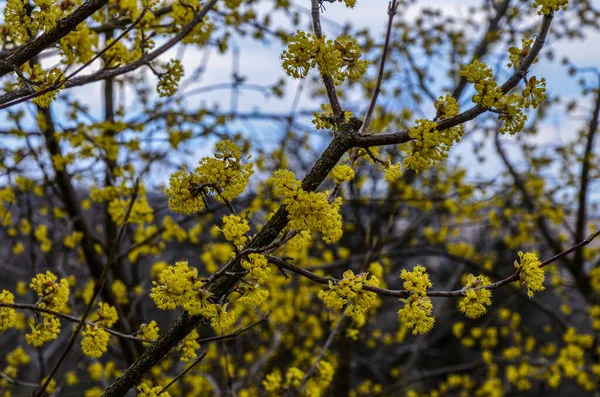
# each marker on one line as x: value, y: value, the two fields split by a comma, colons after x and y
x: 260, y: 63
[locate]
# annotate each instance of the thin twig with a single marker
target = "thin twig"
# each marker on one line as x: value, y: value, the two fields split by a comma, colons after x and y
x: 327, y: 80
x: 18, y: 382
x: 324, y: 350
x: 59, y: 84
x: 35, y: 309
x: 97, y: 288
x: 185, y: 371
x: 234, y: 333
x: 392, y: 10
x: 441, y: 294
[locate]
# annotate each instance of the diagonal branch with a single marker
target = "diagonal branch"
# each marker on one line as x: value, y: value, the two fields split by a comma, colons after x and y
x: 327, y: 80
x: 111, y: 73
x: 63, y: 27
x: 282, y: 263
x: 403, y: 137
x: 221, y: 287
x: 97, y: 288
x: 585, y: 179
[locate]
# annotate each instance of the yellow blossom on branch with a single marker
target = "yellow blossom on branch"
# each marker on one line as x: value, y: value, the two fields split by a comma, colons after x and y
x: 417, y: 280
x: 224, y: 175
x: 188, y: 346
x: 44, y: 331
x: 416, y: 314
x: 147, y: 391
x: 531, y: 275
x: 7, y: 314
x: 342, y: 173
x: 235, y: 229
x: 309, y: 211
x: 474, y: 304
x: 95, y: 341
x: 53, y: 294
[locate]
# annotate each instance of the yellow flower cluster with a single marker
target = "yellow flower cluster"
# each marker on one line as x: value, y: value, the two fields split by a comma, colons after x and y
x: 446, y: 107
x: 534, y: 93
x: 18, y: 357
x: 342, y: 173
x: 22, y: 23
x: 512, y: 114
x: 517, y: 55
x: 235, y: 229
x: 417, y: 310
x: 116, y: 55
x: 182, y: 16
x: 73, y: 239
x: 480, y: 74
x: 78, y: 46
x: 7, y: 315
x: 53, y: 295
x: 509, y: 107
x: 147, y: 391
x: 349, y: 291
x: 339, y: 59
x: 182, y: 195
x: 188, y: 346
x: 95, y: 341
x: 141, y: 211
x: 224, y: 175
x: 429, y: 146
x: 169, y: 80
x: 44, y: 331
x: 316, y: 385
x: 571, y: 358
x: 531, y: 275
x: 548, y: 6
x: 258, y: 267
x: 474, y: 304
x: 54, y: 76
x: 105, y: 315
x: 119, y: 290
x: 41, y: 235
x: 392, y: 172
x: 253, y: 296
x: 17, y: 20
x: 223, y: 319
x: 173, y: 230
x: 149, y: 331
x: 308, y: 211
x: 417, y: 280
x: 323, y: 120
x: 179, y: 286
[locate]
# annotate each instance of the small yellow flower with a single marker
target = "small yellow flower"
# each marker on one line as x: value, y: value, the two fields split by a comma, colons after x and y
x: 106, y: 315
x: 95, y: 341
x: 258, y: 267
x: 188, y: 346
x: 147, y: 391
x: 54, y: 295
x: 168, y: 81
x: 416, y: 314
x: 7, y: 314
x: 149, y: 331
x: 474, y: 304
x: 44, y: 331
x: 342, y: 173
x: 530, y: 273
x: 222, y: 320
x: 417, y: 280
x: 235, y: 229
